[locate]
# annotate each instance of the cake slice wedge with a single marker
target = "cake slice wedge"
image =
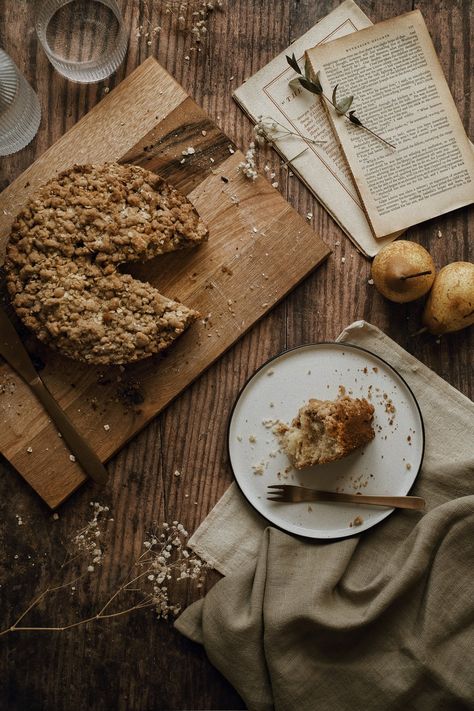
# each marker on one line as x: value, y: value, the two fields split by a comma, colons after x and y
x: 326, y: 430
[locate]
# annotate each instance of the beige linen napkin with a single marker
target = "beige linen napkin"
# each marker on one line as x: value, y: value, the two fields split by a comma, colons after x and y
x: 379, y: 621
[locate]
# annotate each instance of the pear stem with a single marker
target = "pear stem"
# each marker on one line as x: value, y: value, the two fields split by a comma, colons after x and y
x: 420, y: 331
x: 418, y: 274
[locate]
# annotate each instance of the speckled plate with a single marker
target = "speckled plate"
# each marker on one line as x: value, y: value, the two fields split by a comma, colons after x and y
x: 386, y: 466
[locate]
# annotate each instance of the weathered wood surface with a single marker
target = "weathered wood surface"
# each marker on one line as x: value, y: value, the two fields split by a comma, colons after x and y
x: 133, y: 663
x: 232, y: 280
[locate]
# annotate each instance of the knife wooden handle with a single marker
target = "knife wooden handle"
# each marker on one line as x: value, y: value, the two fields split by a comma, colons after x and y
x: 84, y: 454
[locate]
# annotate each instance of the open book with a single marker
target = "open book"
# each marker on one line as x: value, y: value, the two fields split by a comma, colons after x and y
x: 322, y: 167
x: 400, y: 93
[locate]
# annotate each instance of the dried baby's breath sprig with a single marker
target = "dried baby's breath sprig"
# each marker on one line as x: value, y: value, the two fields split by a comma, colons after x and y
x: 165, y: 558
x: 86, y: 540
x: 311, y: 83
x: 248, y: 167
x: 268, y: 130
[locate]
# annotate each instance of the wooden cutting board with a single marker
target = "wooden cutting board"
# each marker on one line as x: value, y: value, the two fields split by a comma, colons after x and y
x: 259, y: 248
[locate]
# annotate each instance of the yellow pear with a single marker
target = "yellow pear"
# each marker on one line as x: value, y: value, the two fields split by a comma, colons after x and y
x: 403, y: 271
x: 450, y: 305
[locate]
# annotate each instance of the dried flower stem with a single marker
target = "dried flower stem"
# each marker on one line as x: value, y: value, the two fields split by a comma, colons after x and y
x: 269, y: 129
x: 357, y: 122
x: 311, y: 83
x: 156, y: 569
x: 14, y: 627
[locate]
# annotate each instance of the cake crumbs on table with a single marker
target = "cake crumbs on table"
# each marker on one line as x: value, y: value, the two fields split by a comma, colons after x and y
x: 252, y: 439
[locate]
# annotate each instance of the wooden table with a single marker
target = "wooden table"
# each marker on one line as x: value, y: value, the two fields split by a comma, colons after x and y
x: 134, y: 662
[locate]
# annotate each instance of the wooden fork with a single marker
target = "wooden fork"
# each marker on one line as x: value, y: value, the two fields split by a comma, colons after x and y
x: 286, y: 493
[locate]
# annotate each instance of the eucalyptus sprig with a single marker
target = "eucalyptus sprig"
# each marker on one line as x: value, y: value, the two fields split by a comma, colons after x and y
x: 342, y: 106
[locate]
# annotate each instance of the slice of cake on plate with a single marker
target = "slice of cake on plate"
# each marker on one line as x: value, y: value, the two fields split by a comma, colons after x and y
x: 326, y: 430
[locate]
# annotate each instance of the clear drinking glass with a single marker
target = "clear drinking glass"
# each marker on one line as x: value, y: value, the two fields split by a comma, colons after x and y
x: 85, y: 40
x: 20, y: 112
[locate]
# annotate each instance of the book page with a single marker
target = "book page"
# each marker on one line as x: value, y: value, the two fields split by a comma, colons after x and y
x: 323, y: 167
x: 400, y: 93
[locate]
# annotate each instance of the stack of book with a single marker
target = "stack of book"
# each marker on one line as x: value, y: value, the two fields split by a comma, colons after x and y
x: 414, y: 163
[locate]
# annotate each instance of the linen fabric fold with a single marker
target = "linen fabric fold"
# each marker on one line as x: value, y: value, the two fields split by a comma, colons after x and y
x: 380, y: 620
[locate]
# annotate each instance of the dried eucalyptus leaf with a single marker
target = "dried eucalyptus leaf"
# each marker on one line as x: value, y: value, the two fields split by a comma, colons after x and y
x: 344, y: 105
x: 308, y: 72
x: 334, y: 93
x: 313, y: 87
x: 293, y: 63
x: 295, y: 83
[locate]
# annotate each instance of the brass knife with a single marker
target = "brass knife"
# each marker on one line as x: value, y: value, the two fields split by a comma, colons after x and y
x: 16, y: 355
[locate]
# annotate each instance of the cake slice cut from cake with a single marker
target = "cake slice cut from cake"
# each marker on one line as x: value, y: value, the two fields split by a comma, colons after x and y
x: 96, y: 317
x: 326, y: 430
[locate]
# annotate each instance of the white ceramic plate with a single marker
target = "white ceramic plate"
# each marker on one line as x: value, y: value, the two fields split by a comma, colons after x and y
x: 386, y: 466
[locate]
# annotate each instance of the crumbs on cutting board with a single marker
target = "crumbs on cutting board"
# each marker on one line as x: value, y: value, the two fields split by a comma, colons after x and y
x: 7, y: 386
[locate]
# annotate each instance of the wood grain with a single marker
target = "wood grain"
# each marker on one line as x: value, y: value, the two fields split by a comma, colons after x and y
x: 135, y: 663
x: 232, y: 280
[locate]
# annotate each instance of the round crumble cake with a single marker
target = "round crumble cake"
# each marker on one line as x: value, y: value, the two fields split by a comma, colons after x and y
x: 64, y: 250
